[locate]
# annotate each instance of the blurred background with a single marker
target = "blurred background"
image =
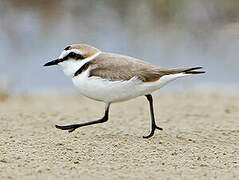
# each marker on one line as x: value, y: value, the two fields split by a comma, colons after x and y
x: 167, y: 33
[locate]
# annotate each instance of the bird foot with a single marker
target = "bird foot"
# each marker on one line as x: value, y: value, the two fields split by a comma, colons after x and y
x: 70, y: 128
x: 152, y: 131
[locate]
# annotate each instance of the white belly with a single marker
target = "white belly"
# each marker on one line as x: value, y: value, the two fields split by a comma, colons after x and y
x: 113, y: 91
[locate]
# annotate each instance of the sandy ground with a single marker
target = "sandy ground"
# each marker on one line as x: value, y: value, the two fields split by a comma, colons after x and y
x: 200, y: 139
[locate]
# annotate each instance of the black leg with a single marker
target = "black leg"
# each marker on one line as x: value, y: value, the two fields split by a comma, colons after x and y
x: 154, y: 126
x: 73, y: 127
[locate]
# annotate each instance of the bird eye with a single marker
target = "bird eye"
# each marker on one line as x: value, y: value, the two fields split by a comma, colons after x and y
x: 67, y: 48
x: 79, y: 56
x: 72, y: 54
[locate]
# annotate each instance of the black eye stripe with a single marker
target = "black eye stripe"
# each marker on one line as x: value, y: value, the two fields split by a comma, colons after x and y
x: 79, y: 56
x: 67, y: 48
x: 74, y: 56
x: 71, y: 54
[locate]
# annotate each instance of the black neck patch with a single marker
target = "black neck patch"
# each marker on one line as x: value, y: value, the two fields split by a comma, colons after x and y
x: 82, y: 69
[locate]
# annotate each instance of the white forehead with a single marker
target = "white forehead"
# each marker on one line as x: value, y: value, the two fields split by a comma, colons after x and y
x: 66, y: 52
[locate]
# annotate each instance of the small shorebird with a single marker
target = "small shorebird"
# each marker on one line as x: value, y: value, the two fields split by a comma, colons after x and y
x: 112, y: 78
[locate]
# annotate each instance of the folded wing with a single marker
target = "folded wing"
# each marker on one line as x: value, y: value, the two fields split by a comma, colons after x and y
x: 117, y: 67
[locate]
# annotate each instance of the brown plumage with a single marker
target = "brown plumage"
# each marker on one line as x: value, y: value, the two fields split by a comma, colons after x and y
x: 86, y: 50
x: 118, y: 67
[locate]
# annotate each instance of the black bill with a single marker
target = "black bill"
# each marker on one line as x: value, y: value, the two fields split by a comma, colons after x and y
x: 54, y: 62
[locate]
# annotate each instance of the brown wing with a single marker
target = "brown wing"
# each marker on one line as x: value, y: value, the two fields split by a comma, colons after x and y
x: 118, y: 67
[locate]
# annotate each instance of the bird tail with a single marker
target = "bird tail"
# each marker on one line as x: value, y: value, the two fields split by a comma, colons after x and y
x: 185, y: 71
x: 193, y: 71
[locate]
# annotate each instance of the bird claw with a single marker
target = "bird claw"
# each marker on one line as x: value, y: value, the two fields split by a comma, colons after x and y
x: 159, y: 128
x: 69, y: 128
x: 152, y: 131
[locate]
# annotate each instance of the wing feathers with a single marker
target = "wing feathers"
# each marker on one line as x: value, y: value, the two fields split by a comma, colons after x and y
x: 118, y: 67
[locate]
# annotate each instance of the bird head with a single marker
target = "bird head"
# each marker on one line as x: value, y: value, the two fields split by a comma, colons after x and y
x: 74, y: 57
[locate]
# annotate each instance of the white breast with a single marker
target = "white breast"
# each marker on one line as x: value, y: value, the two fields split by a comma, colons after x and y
x: 103, y: 89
